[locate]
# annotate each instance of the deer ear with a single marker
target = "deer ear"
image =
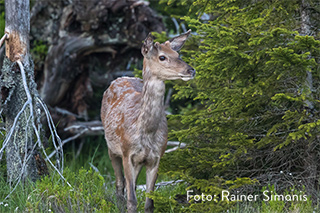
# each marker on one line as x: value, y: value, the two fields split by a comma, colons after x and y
x: 147, y: 45
x: 176, y: 43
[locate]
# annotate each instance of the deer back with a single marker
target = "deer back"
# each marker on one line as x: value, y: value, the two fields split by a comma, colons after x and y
x: 120, y: 110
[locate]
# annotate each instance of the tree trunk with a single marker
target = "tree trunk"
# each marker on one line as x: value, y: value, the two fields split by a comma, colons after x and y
x: 23, y: 160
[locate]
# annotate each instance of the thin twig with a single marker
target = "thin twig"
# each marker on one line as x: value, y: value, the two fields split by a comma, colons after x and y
x: 4, y: 37
x: 94, y: 168
x: 20, y: 175
x: 80, y: 148
x: 177, y: 145
x: 65, y: 112
x: 13, y: 128
x: 29, y: 116
x: 88, y: 128
x: 29, y: 101
x: 66, y: 141
x: 29, y: 119
x: 165, y: 183
x: 32, y: 116
x: 53, y: 132
x: 57, y: 170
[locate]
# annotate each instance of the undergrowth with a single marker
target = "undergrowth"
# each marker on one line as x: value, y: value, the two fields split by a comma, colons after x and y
x: 88, y: 194
x: 91, y: 177
x: 94, y: 191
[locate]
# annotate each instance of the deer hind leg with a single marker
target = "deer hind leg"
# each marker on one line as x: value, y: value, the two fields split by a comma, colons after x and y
x: 151, y: 170
x: 117, y: 167
x: 131, y: 171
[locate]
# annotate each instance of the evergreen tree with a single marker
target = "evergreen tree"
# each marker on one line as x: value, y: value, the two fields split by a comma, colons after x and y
x: 257, y: 88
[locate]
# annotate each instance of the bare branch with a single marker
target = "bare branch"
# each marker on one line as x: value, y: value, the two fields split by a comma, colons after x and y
x: 25, y: 85
x: 28, y: 102
x: 66, y: 141
x: 65, y: 112
x: 52, y: 128
x: 21, y: 174
x: 177, y: 144
x: 57, y: 170
x: 6, y: 141
x: 165, y: 183
x: 36, y: 130
x: 92, y: 128
x: 95, y: 168
x: 54, y: 135
x: 4, y: 37
x: 81, y: 128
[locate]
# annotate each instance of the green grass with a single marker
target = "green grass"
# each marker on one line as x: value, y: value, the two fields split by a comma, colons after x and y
x: 88, y: 194
x: 95, y: 191
x: 92, y: 191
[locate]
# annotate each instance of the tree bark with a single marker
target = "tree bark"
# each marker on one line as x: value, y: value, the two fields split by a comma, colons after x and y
x: 23, y: 160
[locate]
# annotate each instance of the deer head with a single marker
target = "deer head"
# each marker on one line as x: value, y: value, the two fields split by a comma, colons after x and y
x: 162, y: 60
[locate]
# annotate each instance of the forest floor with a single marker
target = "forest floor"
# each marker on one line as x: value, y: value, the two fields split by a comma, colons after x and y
x: 91, y: 176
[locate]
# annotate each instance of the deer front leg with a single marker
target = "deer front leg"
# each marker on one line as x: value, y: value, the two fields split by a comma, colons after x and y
x: 131, y: 171
x: 117, y: 167
x: 151, y: 171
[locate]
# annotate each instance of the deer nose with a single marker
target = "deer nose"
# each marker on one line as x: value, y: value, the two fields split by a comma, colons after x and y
x: 191, y: 72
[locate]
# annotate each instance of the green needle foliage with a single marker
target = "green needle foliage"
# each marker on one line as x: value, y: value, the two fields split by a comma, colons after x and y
x: 257, y: 91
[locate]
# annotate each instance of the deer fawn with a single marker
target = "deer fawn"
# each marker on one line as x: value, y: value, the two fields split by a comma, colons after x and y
x: 134, y: 119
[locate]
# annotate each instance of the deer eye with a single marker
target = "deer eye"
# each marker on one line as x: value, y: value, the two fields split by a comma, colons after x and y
x: 162, y: 58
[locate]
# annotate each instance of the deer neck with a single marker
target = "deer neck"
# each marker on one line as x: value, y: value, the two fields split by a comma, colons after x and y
x: 152, y: 103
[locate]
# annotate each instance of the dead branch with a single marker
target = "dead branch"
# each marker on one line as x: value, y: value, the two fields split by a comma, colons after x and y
x: 65, y: 112
x: 53, y: 131
x: 81, y: 129
x: 165, y: 183
x: 91, y: 128
x: 66, y: 141
x: 36, y: 129
x: 177, y: 144
x: 6, y: 141
x: 4, y: 37
x: 55, y: 136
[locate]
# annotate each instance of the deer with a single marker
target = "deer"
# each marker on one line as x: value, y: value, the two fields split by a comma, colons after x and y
x: 134, y: 119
